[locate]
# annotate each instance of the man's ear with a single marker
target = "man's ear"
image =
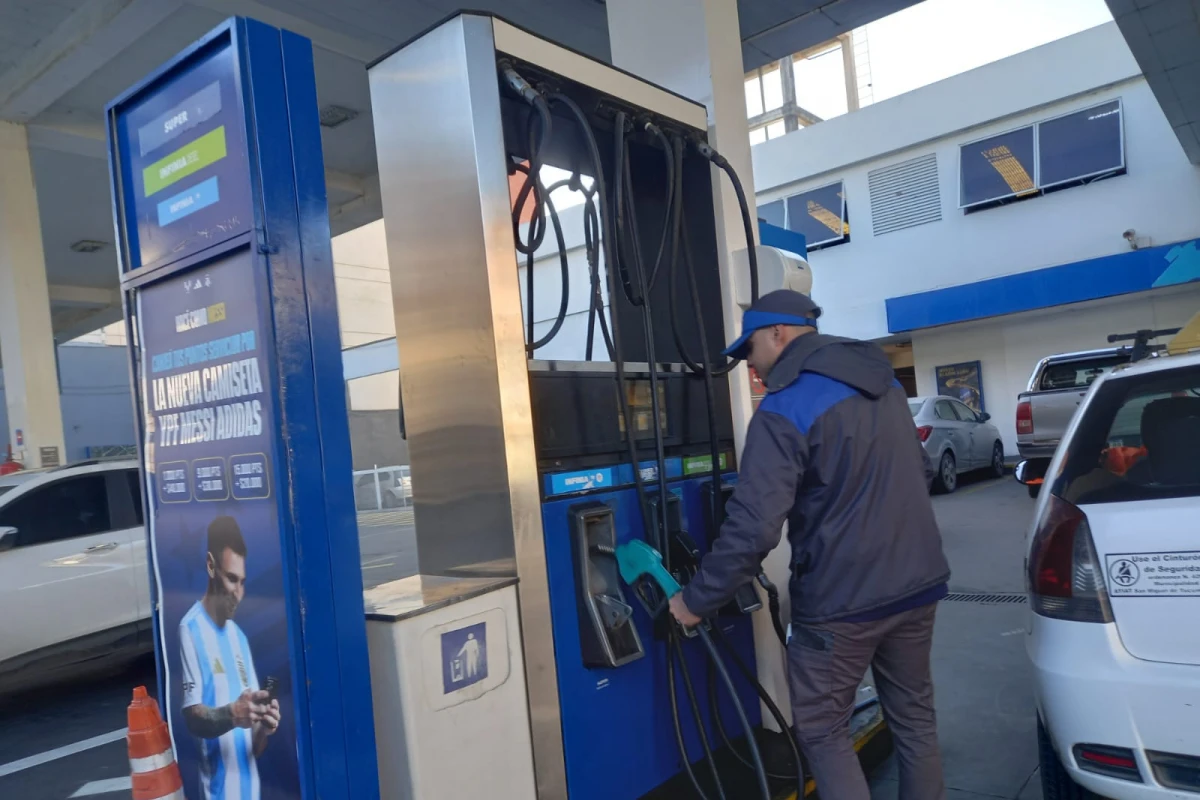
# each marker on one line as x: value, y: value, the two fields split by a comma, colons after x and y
x: 211, y: 564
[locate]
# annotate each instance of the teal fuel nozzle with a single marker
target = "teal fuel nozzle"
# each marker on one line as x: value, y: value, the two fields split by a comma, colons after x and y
x: 638, y: 560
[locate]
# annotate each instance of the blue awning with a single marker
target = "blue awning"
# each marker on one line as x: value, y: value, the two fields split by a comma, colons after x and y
x: 1108, y: 276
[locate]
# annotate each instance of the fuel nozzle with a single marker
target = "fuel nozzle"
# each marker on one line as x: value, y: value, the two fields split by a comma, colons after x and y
x: 642, y: 569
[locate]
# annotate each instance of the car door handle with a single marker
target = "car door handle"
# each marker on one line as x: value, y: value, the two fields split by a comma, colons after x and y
x: 101, y: 548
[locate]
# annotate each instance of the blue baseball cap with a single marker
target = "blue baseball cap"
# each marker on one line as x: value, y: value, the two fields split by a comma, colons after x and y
x: 781, y: 307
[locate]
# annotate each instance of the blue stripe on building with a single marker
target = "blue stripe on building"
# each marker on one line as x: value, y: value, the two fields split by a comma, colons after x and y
x: 1094, y: 279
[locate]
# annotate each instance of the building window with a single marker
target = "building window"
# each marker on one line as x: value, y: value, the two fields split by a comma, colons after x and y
x: 764, y: 91
x: 1082, y: 145
x: 773, y: 214
x: 1069, y: 150
x: 821, y: 215
x: 772, y: 130
x: 820, y: 78
x: 997, y: 168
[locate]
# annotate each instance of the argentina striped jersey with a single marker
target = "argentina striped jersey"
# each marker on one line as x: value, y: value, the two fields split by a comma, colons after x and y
x: 217, y: 668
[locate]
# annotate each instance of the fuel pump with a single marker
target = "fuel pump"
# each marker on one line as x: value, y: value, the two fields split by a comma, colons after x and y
x: 550, y: 469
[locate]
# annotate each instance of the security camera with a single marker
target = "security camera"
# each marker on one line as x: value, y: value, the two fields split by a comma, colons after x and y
x: 1131, y: 237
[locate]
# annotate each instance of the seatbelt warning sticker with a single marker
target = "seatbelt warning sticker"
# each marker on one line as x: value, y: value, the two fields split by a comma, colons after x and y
x: 1172, y: 574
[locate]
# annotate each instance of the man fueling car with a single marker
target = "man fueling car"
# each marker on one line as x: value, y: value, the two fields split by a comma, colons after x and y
x: 830, y: 451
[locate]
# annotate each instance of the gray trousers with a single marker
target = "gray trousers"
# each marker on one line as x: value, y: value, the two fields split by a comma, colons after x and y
x: 826, y: 664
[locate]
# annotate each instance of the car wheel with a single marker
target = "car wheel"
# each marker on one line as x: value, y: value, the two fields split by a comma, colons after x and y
x: 947, y: 474
x: 1056, y: 783
x: 998, y: 460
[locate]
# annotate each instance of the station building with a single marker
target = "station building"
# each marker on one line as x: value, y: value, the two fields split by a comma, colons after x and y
x: 1028, y: 207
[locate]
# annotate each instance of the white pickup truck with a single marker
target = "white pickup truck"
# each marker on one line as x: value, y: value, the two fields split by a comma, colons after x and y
x: 1060, y: 382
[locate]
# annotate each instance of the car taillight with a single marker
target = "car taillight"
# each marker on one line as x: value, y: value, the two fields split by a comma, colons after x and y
x: 1065, y: 579
x: 924, y: 431
x: 1024, y: 417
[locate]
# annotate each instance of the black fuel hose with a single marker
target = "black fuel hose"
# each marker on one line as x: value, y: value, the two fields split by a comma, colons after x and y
x: 760, y: 772
x: 624, y: 188
x: 772, y: 709
x: 532, y: 184
x: 683, y: 753
x: 606, y: 245
x: 675, y: 653
x: 720, y: 161
x: 564, y: 268
x: 773, y: 606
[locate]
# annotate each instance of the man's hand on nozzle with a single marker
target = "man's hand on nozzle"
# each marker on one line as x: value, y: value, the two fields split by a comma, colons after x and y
x: 682, y: 614
x: 250, y: 708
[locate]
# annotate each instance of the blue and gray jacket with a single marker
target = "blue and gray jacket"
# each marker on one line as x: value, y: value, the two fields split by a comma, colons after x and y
x: 833, y: 452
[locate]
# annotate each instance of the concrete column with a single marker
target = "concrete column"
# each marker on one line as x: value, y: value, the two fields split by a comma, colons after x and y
x: 26, y: 334
x: 694, y: 48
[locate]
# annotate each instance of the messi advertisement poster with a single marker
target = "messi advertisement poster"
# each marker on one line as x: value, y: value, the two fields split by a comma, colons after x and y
x: 214, y: 528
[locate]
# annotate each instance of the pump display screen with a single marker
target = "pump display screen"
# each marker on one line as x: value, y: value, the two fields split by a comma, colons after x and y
x: 183, y: 172
x: 641, y: 409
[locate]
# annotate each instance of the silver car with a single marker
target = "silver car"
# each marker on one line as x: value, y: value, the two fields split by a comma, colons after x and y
x: 957, y: 439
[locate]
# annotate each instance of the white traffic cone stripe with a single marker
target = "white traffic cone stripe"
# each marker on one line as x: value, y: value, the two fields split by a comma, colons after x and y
x: 151, y: 763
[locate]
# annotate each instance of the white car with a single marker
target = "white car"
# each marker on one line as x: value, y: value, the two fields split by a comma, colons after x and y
x: 1113, y: 570
x: 74, y: 583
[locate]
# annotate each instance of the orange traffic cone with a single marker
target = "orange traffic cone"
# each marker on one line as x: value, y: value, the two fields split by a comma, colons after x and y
x: 151, y: 759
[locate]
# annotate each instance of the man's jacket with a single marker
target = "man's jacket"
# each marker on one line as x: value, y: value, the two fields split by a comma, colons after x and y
x: 832, y: 451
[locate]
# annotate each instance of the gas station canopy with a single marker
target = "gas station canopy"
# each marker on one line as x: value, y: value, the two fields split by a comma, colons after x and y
x: 62, y: 60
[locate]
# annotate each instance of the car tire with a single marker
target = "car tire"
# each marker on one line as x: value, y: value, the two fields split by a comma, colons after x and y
x: 997, y: 460
x: 946, y: 480
x: 1056, y: 783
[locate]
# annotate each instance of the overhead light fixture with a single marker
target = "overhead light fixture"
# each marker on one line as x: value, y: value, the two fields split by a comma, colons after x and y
x: 332, y: 116
x: 88, y: 246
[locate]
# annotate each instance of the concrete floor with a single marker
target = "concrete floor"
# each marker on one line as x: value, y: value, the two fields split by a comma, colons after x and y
x: 984, y: 692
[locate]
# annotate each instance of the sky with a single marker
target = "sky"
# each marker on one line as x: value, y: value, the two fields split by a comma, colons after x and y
x: 936, y: 39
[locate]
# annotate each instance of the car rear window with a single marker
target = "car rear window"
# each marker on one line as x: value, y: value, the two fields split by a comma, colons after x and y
x: 1078, y: 374
x: 915, y: 406
x: 1138, y: 440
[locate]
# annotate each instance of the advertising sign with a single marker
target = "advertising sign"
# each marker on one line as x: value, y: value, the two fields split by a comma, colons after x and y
x: 257, y: 585
x: 963, y: 382
x: 215, y: 527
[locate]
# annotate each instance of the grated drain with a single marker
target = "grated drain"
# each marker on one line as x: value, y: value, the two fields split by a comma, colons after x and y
x: 1015, y: 599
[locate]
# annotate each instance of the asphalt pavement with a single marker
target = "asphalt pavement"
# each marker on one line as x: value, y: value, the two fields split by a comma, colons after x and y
x: 67, y: 741
x: 982, y: 677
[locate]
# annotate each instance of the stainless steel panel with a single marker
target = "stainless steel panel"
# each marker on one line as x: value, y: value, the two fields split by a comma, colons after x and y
x: 455, y: 289
x: 523, y: 45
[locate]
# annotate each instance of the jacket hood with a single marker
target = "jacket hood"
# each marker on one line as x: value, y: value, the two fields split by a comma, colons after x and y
x: 861, y: 365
